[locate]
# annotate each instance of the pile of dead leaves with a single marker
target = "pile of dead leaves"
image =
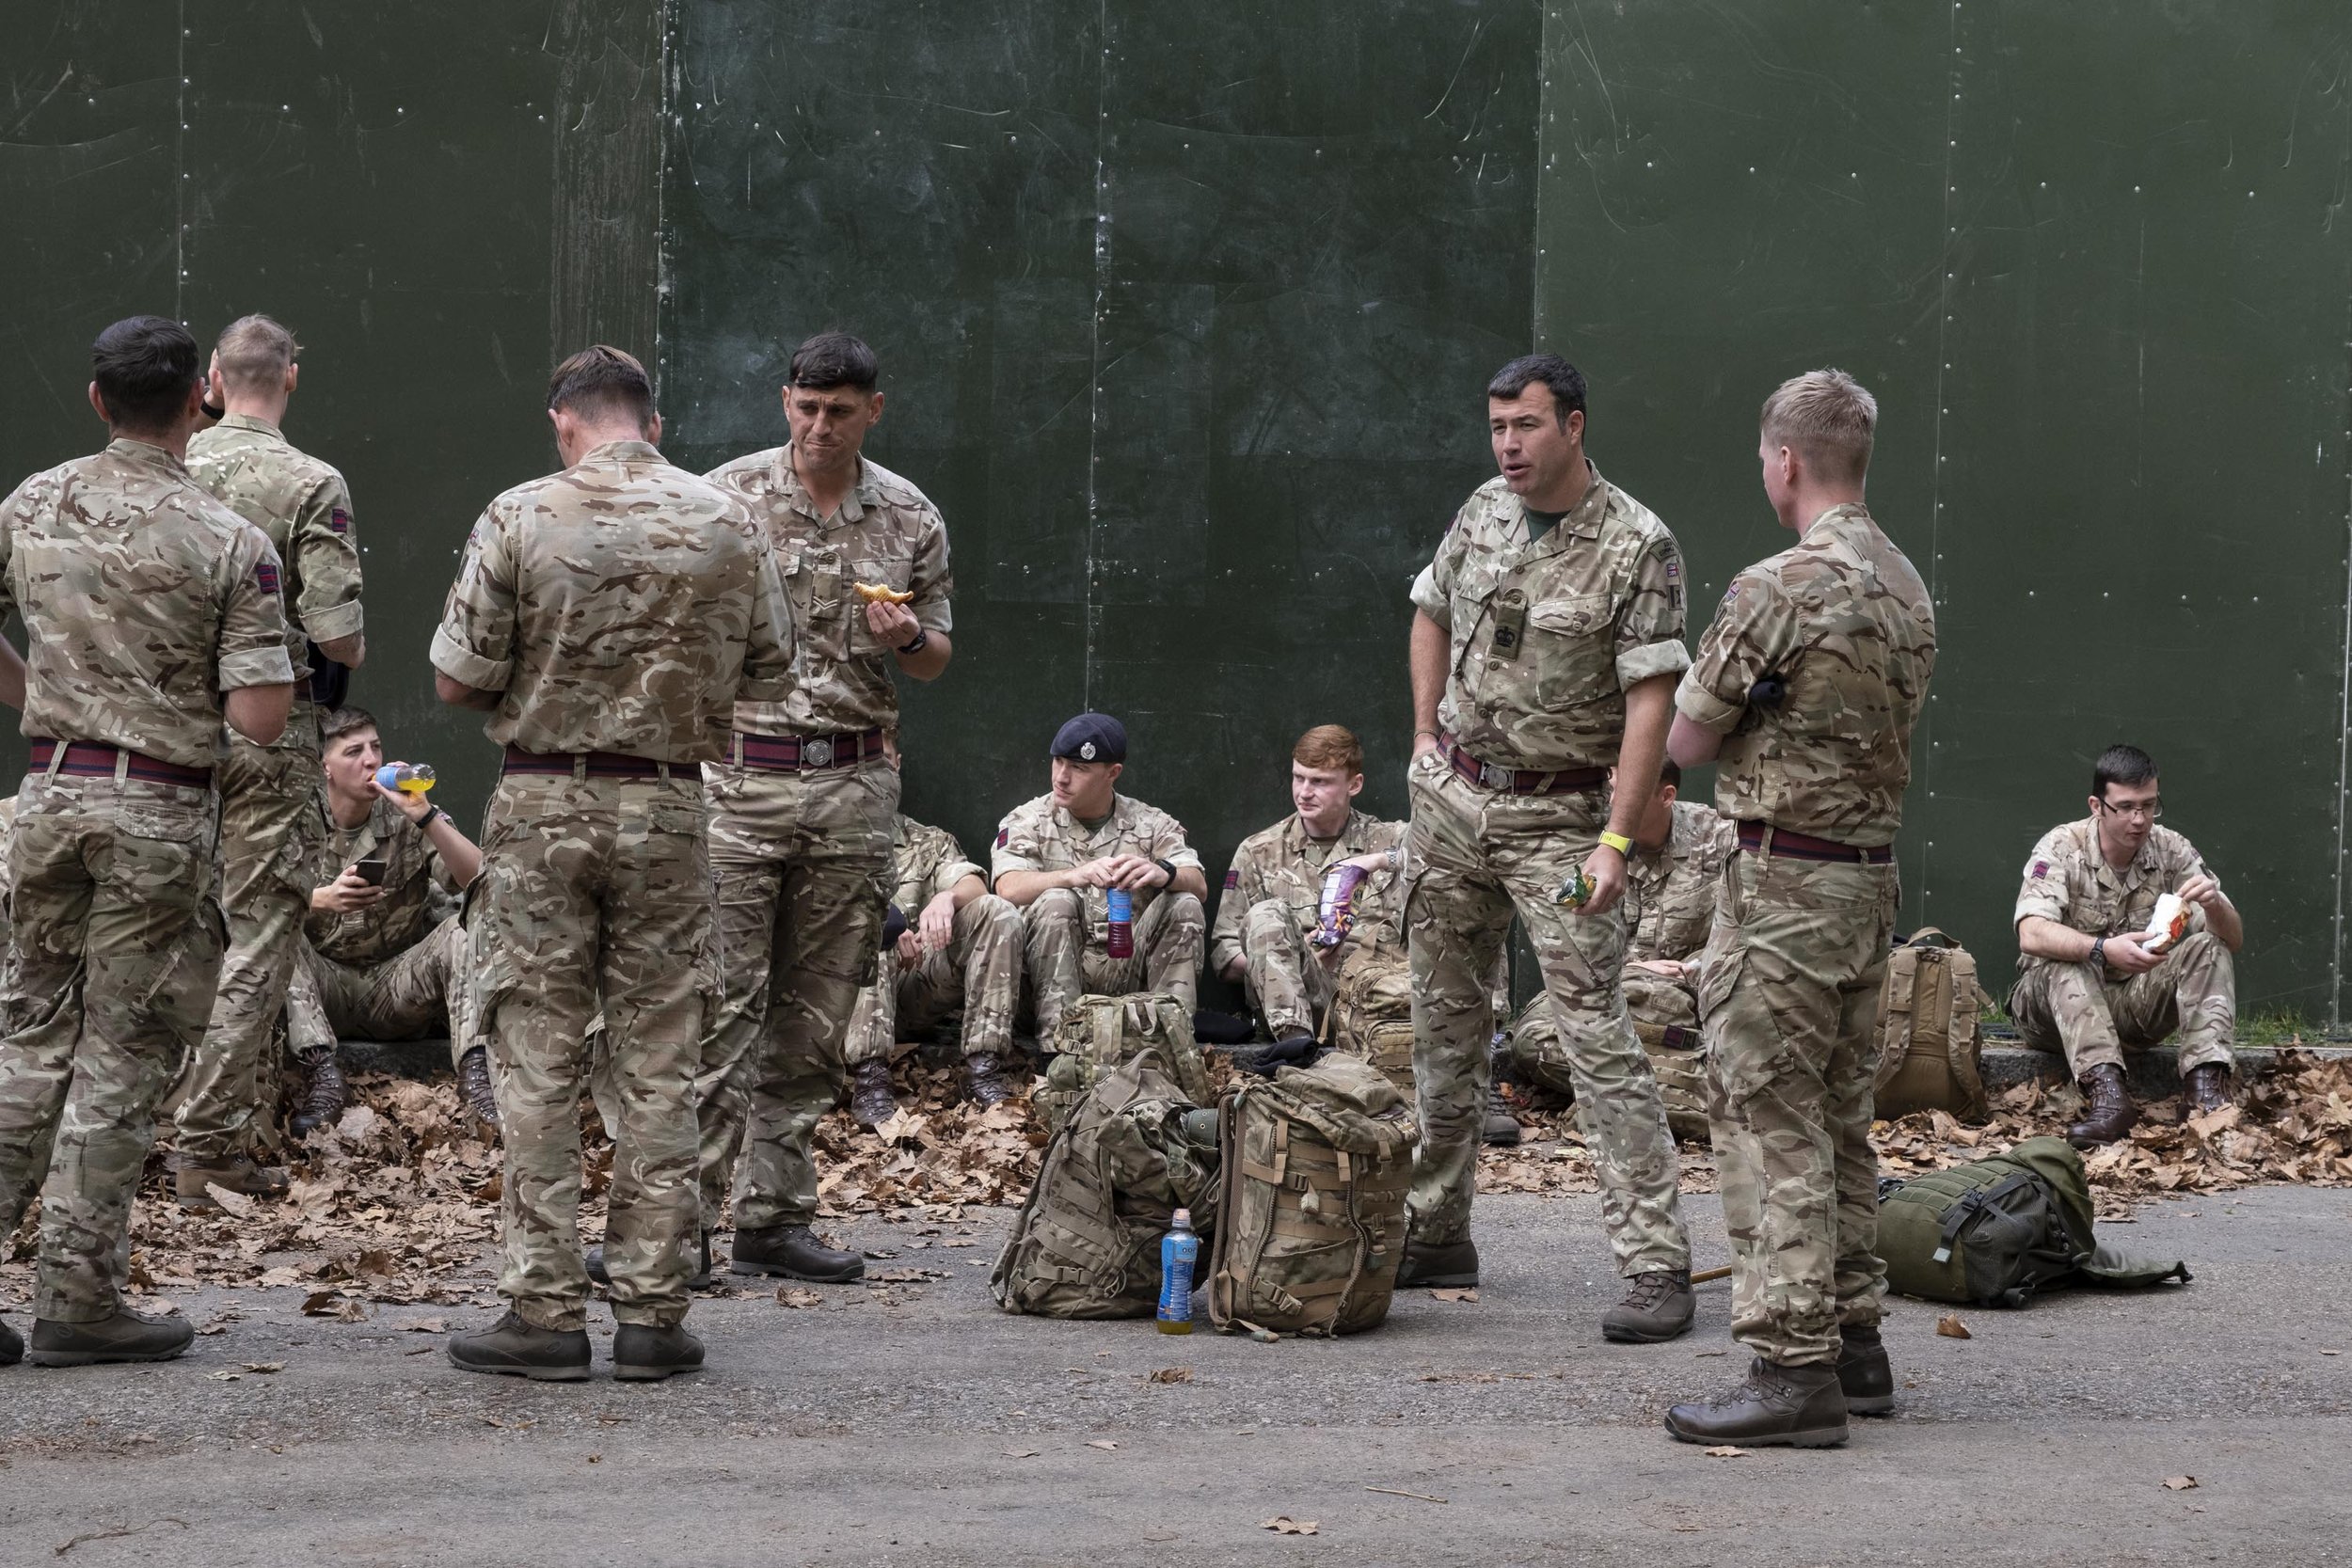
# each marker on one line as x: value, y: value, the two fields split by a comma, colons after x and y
x: 939, y: 1148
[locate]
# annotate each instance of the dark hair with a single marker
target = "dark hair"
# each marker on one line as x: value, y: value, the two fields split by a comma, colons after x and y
x: 1566, y: 381
x: 1670, y: 772
x: 2124, y: 764
x: 144, y: 367
x: 345, y: 720
x: 600, y: 382
x: 833, y: 359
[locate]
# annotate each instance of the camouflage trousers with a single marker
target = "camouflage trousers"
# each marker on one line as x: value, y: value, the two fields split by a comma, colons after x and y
x: 415, y: 993
x: 1789, y: 1004
x: 273, y: 830
x: 1066, y: 959
x: 595, y: 890
x: 2094, y: 1017
x: 803, y: 864
x: 1655, y: 1003
x: 979, y: 971
x: 1478, y: 856
x: 118, y: 945
x: 1287, y: 983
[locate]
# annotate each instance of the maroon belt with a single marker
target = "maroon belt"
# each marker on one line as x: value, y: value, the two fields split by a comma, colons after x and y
x: 598, y: 765
x: 1520, y: 780
x: 1804, y: 846
x: 88, y: 759
x: 797, y: 753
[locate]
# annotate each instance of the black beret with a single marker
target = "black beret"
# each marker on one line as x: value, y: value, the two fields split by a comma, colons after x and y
x: 1091, y: 737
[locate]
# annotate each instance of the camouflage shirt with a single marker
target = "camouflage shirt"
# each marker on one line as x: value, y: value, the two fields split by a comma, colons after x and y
x: 1670, y: 891
x: 418, y: 893
x: 1546, y: 636
x: 2068, y: 879
x: 1282, y: 863
x: 1040, y: 836
x: 143, y: 599
x: 1844, y: 620
x: 884, y: 532
x: 304, y: 507
x: 930, y: 862
x: 622, y: 604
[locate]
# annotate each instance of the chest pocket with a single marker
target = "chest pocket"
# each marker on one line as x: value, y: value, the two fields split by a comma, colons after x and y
x: 1569, y: 649
x: 813, y: 580
x: 891, y: 572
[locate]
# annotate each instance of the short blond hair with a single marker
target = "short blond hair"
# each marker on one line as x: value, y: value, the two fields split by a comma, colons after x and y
x: 1828, y: 419
x: 1331, y: 748
x: 255, y: 353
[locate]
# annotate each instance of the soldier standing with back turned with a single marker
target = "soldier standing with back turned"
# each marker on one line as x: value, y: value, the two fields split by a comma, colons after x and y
x: 1808, y: 683
x: 152, y: 615
x: 607, y: 618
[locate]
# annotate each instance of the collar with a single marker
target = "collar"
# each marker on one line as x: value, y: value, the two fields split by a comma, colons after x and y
x: 854, y: 501
x: 620, y: 451
x: 1583, y: 521
x: 1350, y: 840
x: 145, y: 455
x: 1837, y: 518
x: 1064, y: 818
x: 249, y: 421
x: 2137, y: 870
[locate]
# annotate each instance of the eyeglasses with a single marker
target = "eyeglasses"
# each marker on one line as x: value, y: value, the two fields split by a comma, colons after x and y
x: 2147, y: 811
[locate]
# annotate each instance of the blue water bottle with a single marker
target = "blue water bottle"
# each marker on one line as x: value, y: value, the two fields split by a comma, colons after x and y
x: 1178, y: 1249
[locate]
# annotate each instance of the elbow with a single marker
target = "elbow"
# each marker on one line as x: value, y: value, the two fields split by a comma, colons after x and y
x: 258, y: 713
x: 456, y: 693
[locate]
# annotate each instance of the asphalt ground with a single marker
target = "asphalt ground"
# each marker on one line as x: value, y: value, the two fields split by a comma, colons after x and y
x: 911, y: 1422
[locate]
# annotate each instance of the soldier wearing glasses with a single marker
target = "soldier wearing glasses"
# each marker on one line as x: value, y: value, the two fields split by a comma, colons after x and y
x: 2088, y: 980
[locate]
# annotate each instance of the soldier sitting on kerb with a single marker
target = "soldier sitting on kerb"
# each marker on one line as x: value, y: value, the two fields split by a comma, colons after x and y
x: 2095, y: 976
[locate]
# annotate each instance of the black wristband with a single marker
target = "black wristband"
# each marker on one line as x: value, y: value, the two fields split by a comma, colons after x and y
x: 1171, y: 869
x: 922, y: 640
x: 432, y: 815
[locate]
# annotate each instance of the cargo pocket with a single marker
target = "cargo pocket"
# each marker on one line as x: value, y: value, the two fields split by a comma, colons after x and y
x: 1741, y: 1061
x: 1568, y: 646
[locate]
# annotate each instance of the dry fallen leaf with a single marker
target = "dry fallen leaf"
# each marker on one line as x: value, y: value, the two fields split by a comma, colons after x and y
x: 1020, y: 1454
x: 231, y: 1202
x: 2180, y: 1484
x: 1283, y: 1524
x: 1950, y: 1327
x: 1183, y: 1374
x: 1467, y: 1293
x: 425, y: 1326
x: 266, y: 1366
x: 796, y: 1298
x: 1101, y: 1443
x: 1727, y: 1452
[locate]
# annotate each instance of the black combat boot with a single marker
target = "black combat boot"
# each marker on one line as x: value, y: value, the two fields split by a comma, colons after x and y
x: 11, y: 1346
x: 2111, y: 1113
x: 513, y: 1348
x: 1864, y: 1374
x: 2209, y: 1087
x: 793, y: 1252
x: 475, y: 1089
x: 643, y: 1354
x: 1775, y: 1406
x: 698, y: 1280
x: 871, y: 1103
x: 985, y: 1081
x: 1659, y: 1307
x: 324, y: 1093
x: 1447, y: 1264
x: 125, y: 1337
x: 1501, y: 1129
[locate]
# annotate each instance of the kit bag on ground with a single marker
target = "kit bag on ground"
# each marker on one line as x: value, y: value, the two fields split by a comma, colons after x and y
x: 1085, y: 1244
x: 1311, y: 1220
x: 1097, y: 1034
x: 1371, y: 1015
x: 1998, y: 1231
x: 1928, y: 1044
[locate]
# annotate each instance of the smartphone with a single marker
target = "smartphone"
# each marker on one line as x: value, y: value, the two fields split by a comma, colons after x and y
x: 371, y: 871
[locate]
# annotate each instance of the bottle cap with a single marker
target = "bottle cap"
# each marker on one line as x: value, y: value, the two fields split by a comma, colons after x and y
x: 1180, y: 1220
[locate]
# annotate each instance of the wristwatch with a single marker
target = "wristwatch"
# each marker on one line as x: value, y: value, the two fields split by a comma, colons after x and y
x: 1171, y: 869
x: 922, y: 638
x: 2099, y: 950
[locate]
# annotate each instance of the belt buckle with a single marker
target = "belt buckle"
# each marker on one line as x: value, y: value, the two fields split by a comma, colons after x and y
x: 816, y: 752
x: 1494, y: 777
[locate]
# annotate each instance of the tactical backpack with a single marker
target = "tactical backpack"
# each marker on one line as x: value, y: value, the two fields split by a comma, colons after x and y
x: 1311, y: 1216
x: 1085, y: 1244
x: 2000, y: 1230
x: 1371, y: 1015
x: 1097, y: 1034
x: 1928, y: 1045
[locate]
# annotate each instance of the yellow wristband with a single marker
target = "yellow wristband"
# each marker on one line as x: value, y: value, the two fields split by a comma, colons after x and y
x: 1618, y: 841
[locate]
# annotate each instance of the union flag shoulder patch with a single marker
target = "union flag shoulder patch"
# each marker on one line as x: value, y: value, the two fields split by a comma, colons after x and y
x: 265, y: 573
x: 339, y: 521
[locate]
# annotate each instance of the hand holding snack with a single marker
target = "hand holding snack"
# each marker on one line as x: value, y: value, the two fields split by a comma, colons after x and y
x: 881, y: 593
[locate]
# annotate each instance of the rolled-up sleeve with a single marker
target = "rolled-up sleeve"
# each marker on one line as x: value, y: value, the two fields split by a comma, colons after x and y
x: 324, y: 547
x: 475, y: 645
x: 1650, y: 628
x: 2042, y: 892
x: 253, y: 618
x: 1754, y: 630
x: 1433, y: 589
x: 932, y: 582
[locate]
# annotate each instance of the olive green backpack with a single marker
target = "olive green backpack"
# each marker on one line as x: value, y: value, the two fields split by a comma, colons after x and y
x: 1085, y: 1244
x: 1997, y: 1231
x: 1098, y: 1034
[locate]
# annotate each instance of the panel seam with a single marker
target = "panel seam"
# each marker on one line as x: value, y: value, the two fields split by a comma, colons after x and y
x: 1936, y: 476
x: 2343, y: 690
x: 1094, y: 344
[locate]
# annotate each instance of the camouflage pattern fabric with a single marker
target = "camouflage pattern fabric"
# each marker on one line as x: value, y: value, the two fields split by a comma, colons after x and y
x: 418, y: 893
x: 1670, y: 891
x: 2094, y: 1017
x: 1098, y: 1034
x: 7, y: 891
x: 117, y: 945
x: 1843, y: 619
x: 414, y: 994
x: 621, y: 605
x: 144, y: 600
x: 1546, y: 636
x: 1271, y: 903
x: 884, y: 532
x: 802, y: 863
x: 978, y: 973
x: 1067, y: 930
x: 304, y: 507
x: 1479, y: 857
x: 595, y: 893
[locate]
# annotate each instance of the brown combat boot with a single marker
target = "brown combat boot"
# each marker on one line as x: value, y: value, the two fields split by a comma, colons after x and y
x: 985, y: 1081
x: 2209, y: 1087
x: 1864, y: 1374
x: 644, y: 1354
x: 324, y: 1093
x: 2111, y: 1113
x: 1659, y: 1307
x: 512, y: 1347
x: 11, y: 1346
x: 1775, y: 1406
x: 1452, y: 1265
x: 794, y: 1252
x: 124, y: 1336
x: 475, y: 1089
x: 192, y: 1183
x: 871, y: 1103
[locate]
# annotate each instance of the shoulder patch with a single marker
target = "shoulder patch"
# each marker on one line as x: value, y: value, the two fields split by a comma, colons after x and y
x: 1233, y: 878
x: 265, y: 573
x: 1003, y: 837
x: 339, y: 521
x: 2038, y: 870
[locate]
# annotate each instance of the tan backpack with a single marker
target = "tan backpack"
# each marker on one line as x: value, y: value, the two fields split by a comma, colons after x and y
x: 1371, y: 1015
x: 1098, y: 1034
x: 1928, y: 1044
x: 1311, y: 1213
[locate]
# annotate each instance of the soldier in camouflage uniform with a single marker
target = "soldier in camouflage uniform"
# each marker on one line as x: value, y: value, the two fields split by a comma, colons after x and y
x: 151, y: 613
x: 1808, y: 681
x: 383, y: 960
x: 961, y: 952
x: 1059, y: 856
x: 1550, y: 625
x: 607, y: 618
x: 805, y: 801
x: 272, y: 820
x: 2088, y: 980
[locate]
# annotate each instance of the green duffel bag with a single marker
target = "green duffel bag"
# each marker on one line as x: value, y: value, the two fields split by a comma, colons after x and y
x: 1998, y: 1231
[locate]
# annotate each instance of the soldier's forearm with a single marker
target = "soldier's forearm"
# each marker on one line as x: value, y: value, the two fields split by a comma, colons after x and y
x: 2040, y: 938
x: 1425, y: 664
x: 1648, y: 711
x: 11, y: 675
x: 1692, y: 745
